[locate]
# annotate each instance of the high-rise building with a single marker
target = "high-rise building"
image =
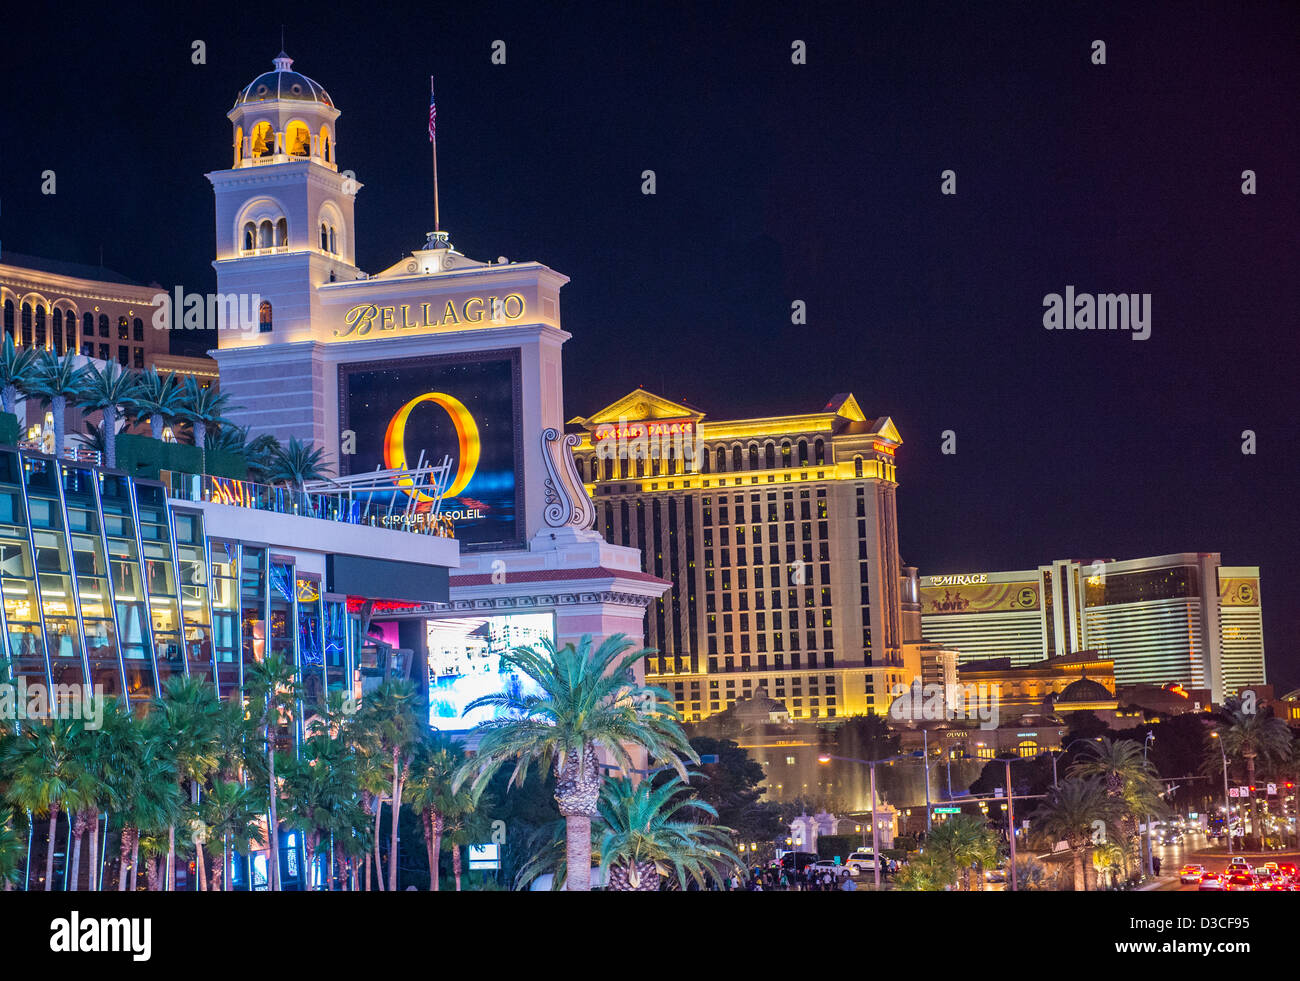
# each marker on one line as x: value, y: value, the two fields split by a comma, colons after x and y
x: 1182, y: 618
x: 780, y: 536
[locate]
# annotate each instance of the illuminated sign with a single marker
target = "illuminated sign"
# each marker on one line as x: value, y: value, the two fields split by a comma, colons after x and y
x: 365, y: 317
x: 412, y: 411
x: 959, y: 580
x: 883, y: 448
x: 649, y: 428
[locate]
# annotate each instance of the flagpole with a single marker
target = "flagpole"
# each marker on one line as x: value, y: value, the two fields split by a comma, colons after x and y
x: 433, y: 142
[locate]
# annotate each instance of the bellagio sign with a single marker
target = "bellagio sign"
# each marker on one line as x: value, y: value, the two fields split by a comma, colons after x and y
x: 453, y: 314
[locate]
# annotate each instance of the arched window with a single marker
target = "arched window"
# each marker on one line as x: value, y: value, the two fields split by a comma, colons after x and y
x: 803, y: 452
x: 263, y: 140
x: 282, y: 233
x: 250, y: 237
x: 324, y: 238
x: 737, y: 458
x: 103, y: 325
x: 58, y: 331
x: 609, y: 468
x: 9, y: 317
x: 857, y: 466
x: 324, y: 143
x: 264, y: 317
x: 27, y: 325
x: 88, y: 325
x: 820, y: 449
x: 239, y: 144
x: 70, y: 331
x: 769, y: 455
x: 753, y: 456
x: 137, y: 330
x: 333, y: 247
x: 265, y: 234
x: 297, y: 140
x: 722, y: 459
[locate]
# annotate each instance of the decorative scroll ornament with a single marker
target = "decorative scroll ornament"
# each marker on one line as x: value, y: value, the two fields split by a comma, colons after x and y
x: 567, y: 503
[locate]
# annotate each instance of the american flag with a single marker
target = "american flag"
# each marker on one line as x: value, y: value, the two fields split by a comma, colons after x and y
x: 433, y: 115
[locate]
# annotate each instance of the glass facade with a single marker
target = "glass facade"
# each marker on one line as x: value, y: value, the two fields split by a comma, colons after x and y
x: 109, y: 583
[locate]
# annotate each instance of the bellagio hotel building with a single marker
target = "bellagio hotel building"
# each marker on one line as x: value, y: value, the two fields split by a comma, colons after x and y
x: 780, y: 538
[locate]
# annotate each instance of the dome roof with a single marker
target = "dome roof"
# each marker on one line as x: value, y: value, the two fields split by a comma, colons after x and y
x: 283, y: 84
x: 1085, y: 690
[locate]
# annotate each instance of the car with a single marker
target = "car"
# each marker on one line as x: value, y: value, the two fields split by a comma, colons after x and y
x: 1191, y: 873
x: 1240, y: 882
x: 1211, y: 882
x: 859, y: 862
x: 1237, y: 862
x: 797, y: 861
x: 1289, y: 869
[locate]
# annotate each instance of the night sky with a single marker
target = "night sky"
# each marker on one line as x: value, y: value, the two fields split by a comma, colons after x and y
x: 777, y: 183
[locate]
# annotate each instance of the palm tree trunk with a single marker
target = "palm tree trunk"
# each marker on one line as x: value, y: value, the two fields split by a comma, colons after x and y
x: 577, y: 850
x: 1080, y: 882
x: 200, y: 433
x: 1254, y: 800
x: 439, y: 823
x: 226, y: 871
x: 93, y: 883
x: 171, y: 858
x: 273, y: 830
x: 156, y: 425
x: 8, y: 395
x: 124, y: 862
x: 49, y: 852
x: 135, y: 856
x: 151, y: 872
x: 379, y: 863
x: 78, y: 832
x: 455, y: 864
x: 109, y: 422
x: 200, y: 867
x: 396, y: 810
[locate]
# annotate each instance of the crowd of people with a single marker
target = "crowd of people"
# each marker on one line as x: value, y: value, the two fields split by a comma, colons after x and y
x: 810, y: 878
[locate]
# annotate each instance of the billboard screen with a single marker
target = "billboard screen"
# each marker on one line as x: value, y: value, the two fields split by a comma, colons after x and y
x: 465, y: 663
x: 982, y: 598
x: 465, y: 407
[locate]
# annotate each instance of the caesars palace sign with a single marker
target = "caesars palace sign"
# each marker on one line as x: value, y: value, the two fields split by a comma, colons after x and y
x: 365, y: 317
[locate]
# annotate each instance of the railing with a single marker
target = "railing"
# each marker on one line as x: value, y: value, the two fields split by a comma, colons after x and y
x: 333, y: 506
x: 78, y: 454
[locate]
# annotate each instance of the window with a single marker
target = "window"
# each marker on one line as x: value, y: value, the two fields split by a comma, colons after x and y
x: 250, y: 237
x: 123, y: 355
x: 103, y: 352
x: 137, y: 330
x: 139, y: 357
x: 27, y: 325
x: 103, y: 325
x: 264, y: 317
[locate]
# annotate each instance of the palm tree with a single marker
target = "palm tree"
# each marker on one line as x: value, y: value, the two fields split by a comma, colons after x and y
x: 150, y: 795
x: 203, y: 408
x: 1131, y: 781
x: 108, y: 391
x: 273, y: 694
x: 296, y: 464
x: 430, y: 794
x: 963, y: 844
x: 58, y: 381
x: 231, y: 813
x: 1074, y: 812
x: 258, y: 454
x: 590, y: 700
x: 46, y: 777
x: 13, y: 851
x: 388, y: 713
x: 646, y: 836
x: 187, y: 712
x: 17, y: 371
x: 157, y: 399
x: 1250, y: 736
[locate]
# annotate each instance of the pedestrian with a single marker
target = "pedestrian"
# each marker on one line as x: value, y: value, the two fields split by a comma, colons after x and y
x: 848, y: 885
x: 1155, y: 863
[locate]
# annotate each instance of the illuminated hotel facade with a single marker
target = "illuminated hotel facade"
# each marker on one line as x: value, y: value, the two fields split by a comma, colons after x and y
x: 1183, y: 618
x: 780, y: 536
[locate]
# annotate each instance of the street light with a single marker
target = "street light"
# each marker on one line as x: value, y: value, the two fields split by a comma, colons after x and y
x: 1151, y: 858
x: 875, y: 820
x: 1227, y: 806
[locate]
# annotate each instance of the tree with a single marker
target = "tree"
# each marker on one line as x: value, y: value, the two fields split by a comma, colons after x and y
x: 963, y: 844
x: 1076, y: 812
x: 296, y: 464
x: 158, y: 400
x: 13, y: 851
x: 271, y: 685
x: 732, y: 787
x: 1131, y: 783
x: 187, y: 712
x: 17, y: 371
x: 437, y: 760
x: 388, y: 713
x: 232, y: 815
x: 107, y: 391
x: 258, y: 454
x: 46, y: 777
x: 149, y: 795
x: 202, y: 406
x: 59, y: 382
x: 590, y: 700
x: 649, y: 834
x: 1252, y: 737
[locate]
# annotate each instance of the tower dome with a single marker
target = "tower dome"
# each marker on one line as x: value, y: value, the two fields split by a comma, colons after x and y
x: 283, y: 116
x: 284, y: 84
